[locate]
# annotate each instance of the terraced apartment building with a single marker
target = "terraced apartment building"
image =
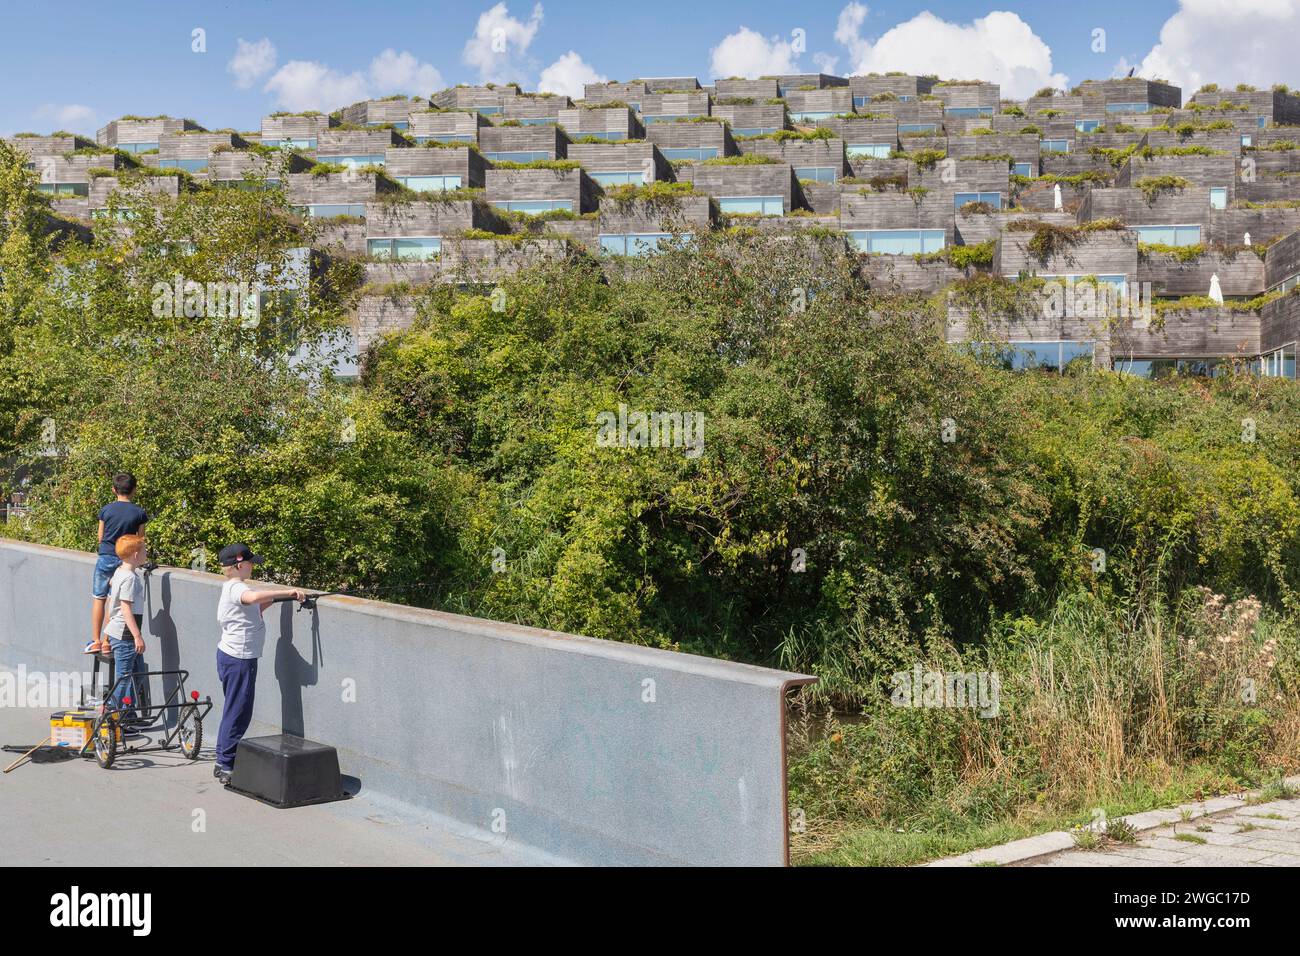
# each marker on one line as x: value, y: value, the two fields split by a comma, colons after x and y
x: 1112, y: 223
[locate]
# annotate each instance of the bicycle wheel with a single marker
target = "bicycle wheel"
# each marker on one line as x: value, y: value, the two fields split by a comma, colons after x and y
x: 190, y: 733
x: 105, y: 740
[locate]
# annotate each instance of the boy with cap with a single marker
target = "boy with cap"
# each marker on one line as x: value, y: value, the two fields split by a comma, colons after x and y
x: 243, y: 634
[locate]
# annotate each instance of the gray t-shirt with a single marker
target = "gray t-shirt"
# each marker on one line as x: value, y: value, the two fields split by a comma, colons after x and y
x: 243, y: 632
x: 125, y: 586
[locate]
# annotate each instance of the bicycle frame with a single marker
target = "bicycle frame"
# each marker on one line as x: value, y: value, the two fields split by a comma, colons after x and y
x: 174, y: 701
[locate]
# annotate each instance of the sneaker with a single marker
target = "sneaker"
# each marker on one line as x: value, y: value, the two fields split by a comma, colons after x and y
x: 222, y: 775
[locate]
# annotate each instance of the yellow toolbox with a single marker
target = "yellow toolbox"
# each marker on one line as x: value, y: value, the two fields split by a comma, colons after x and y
x: 71, y: 728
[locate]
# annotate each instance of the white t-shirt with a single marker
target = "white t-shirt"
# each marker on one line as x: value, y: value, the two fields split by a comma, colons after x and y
x: 124, y: 586
x: 243, y: 632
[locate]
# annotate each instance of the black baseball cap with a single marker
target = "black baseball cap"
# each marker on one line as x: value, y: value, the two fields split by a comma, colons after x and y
x: 232, y: 554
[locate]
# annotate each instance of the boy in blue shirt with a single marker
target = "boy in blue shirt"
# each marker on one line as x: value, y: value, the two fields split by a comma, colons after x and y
x: 117, y: 518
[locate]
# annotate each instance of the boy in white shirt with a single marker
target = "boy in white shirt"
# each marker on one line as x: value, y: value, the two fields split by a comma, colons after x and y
x: 243, y: 635
x: 122, y: 632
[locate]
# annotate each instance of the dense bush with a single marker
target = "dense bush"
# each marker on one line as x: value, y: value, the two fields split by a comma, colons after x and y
x: 865, y: 497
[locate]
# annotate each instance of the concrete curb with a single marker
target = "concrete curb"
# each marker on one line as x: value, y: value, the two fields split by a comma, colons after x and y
x: 1018, y: 851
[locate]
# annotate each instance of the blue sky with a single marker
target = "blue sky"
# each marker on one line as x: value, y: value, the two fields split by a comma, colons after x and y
x: 104, y: 60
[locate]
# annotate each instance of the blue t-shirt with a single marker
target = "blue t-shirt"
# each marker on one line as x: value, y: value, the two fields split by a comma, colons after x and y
x: 119, y: 517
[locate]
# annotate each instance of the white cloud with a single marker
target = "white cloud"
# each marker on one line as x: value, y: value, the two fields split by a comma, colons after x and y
x: 567, y: 75
x: 848, y: 32
x: 500, y: 42
x: 305, y: 85
x: 393, y: 72
x: 825, y: 62
x: 251, y: 61
x: 1227, y: 42
x: 998, y: 47
x: 70, y: 116
x: 749, y: 54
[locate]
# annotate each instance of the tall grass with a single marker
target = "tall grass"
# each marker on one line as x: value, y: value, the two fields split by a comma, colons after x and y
x: 1097, y: 700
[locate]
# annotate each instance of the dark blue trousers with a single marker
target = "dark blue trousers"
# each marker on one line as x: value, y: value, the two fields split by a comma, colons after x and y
x: 238, y: 683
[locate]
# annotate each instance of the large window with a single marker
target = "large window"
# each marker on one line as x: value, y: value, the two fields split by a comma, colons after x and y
x: 762, y: 205
x: 818, y: 174
x: 253, y: 185
x: 754, y: 130
x: 487, y: 110
x: 1262, y: 122
x: 918, y: 127
x: 649, y: 118
x: 519, y: 156
x: 1280, y: 363
x: 137, y: 147
x: 189, y: 165
x: 992, y: 199
x: 538, y: 120
x: 860, y: 100
x: 1164, y: 367
x: 356, y: 159
x: 898, y: 242
x: 446, y: 138
x: 326, y: 210
x: 396, y: 124
x: 1188, y: 235
x: 691, y: 152
x: 534, y: 207
x: 1286, y: 285
x: 619, y: 177
x: 405, y: 247
x: 429, y: 184
x: 969, y: 111
x: 1118, y: 281
x: 610, y: 134
x: 305, y: 142
x: 1054, y: 146
x: 1022, y: 169
x: 1086, y: 126
x: 812, y: 116
x: 1128, y: 107
x: 62, y: 190
x: 869, y: 150
x: 1218, y: 197
x: 1045, y: 356
x: 635, y: 244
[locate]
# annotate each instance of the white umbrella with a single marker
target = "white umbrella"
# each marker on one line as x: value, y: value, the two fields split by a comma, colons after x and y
x: 1215, y: 292
x: 1056, y: 197
x: 1247, y: 238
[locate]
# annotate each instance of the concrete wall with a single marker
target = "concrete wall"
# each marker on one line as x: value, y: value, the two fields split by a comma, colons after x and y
x: 460, y: 161
x: 383, y: 111
x: 621, y: 157
x: 455, y: 123
x: 505, y: 185
x: 1282, y: 260
x: 473, y: 719
x: 296, y: 125
x: 614, y: 121
x: 722, y: 180
x: 355, y: 142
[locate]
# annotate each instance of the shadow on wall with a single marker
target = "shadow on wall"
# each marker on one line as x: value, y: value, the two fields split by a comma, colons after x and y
x: 293, y: 672
x: 163, y: 640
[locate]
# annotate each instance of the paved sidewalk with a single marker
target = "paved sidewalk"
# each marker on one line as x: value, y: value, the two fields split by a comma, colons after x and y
x: 1222, y: 831
x: 1266, y: 834
x: 159, y: 809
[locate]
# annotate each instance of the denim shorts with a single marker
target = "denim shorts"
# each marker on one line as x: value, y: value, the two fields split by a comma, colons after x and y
x: 105, y: 565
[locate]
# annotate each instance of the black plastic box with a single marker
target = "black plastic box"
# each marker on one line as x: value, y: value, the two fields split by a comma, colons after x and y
x: 287, y: 771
